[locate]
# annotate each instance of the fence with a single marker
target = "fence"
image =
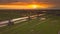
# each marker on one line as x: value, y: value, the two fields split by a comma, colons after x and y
x: 17, y: 20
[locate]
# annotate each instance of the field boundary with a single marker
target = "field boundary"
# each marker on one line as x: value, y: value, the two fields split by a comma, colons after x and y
x: 17, y: 20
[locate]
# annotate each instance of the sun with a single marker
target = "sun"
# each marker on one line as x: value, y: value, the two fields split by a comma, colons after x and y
x: 33, y: 6
x: 38, y: 6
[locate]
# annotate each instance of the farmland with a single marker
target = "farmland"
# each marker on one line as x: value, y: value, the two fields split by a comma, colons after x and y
x: 51, y: 25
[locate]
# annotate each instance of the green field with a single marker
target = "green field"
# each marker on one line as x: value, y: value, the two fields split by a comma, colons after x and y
x: 49, y: 26
x: 12, y: 14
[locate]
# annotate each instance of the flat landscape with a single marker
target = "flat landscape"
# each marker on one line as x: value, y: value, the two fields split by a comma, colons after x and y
x: 12, y: 14
x: 51, y: 25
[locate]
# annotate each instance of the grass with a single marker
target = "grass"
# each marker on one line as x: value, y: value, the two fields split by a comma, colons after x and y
x: 5, y: 15
x: 12, y: 14
x: 50, y: 26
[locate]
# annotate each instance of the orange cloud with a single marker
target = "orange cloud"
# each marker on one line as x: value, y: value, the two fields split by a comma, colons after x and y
x: 24, y: 5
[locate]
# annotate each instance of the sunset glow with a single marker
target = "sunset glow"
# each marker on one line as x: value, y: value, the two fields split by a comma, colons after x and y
x: 27, y: 6
x: 34, y: 6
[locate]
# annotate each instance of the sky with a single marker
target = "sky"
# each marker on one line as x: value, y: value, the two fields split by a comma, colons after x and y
x: 56, y: 3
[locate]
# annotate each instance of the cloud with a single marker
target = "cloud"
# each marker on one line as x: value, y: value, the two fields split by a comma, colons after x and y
x: 54, y: 2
